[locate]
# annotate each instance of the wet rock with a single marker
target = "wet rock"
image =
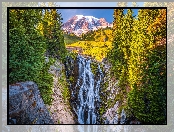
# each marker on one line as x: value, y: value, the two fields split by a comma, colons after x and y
x: 134, y: 122
x: 123, y: 117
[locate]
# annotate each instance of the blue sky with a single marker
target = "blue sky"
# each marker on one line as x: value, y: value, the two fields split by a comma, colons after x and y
x: 98, y: 13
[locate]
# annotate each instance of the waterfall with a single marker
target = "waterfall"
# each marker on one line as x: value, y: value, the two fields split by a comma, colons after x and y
x: 85, y: 92
x: 88, y: 95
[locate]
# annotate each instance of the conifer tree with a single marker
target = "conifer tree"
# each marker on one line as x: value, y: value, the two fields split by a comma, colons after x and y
x: 53, y: 34
x: 116, y: 55
x: 137, y: 62
x: 141, y: 42
x: 27, y: 46
x: 57, y: 46
x: 126, y: 38
x: 29, y: 36
x: 145, y: 98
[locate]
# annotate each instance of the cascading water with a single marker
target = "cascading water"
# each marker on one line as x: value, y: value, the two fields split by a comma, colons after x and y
x: 88, y: 95
x: 86, y: 90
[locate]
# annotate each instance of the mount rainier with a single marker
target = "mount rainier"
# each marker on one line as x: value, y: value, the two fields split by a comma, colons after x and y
x: 79, y: 24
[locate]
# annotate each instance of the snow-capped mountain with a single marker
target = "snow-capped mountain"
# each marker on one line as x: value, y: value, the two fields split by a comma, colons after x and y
x: 81, y: 24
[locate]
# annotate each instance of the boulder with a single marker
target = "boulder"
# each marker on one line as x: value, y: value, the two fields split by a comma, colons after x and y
x: 26, y: 105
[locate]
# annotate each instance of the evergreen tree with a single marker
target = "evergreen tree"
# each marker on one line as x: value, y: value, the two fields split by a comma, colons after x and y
x: 32, y: 32
x: 27, y: 46
x: 147, y: 97
x: 53, y: 33
x: 126, y: 38
x: 57, y: 46
x: 137, y: 62
x: 116, y: 56
x: 141, y: 42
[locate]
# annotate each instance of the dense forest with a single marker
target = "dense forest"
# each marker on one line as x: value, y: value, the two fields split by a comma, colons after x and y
x: 138, y: 61
x: 135, y: 47
x: 33, y: 35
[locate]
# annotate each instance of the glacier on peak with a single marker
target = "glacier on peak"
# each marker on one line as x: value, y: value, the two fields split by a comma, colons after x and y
x: 88, y: 18
x: 79, y: 24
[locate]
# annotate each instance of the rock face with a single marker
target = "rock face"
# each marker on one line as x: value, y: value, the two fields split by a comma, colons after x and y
x: 60, y: 109
x: 26, y: 106
x: 81, y: 24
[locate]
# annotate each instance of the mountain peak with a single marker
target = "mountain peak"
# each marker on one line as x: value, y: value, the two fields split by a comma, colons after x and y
x: 88, y: 18
x: 79, y: 16
x: 79, y: 24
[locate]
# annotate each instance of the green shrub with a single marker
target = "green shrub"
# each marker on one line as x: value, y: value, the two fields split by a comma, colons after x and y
x: 45, y: 82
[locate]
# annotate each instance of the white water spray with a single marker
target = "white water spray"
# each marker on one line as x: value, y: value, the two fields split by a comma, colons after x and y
x: 88, y: 96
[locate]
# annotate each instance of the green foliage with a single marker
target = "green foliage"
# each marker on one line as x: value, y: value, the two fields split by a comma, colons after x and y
x: 27, y: 46
x: 103, y: 97
x: 51, y: 29
x: 72, y: 55
x: 64, y: 88
x: 94, y: 67
x: 70, y: 38
x: 100, y: 35
x: 31, y: 34
x: 139, y: 63
x: 153, y: 90
x: 45, y: 82
x: 66, y: 93
x: 147, y: 69
x: 115, y: 56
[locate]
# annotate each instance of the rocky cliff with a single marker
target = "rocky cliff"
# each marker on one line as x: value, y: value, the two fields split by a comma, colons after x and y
x: 26, y: 106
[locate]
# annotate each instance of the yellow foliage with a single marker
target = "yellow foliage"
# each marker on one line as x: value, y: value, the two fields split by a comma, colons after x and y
x: 97, y: 50
x: 159, y: 22
x: 40, y: 28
